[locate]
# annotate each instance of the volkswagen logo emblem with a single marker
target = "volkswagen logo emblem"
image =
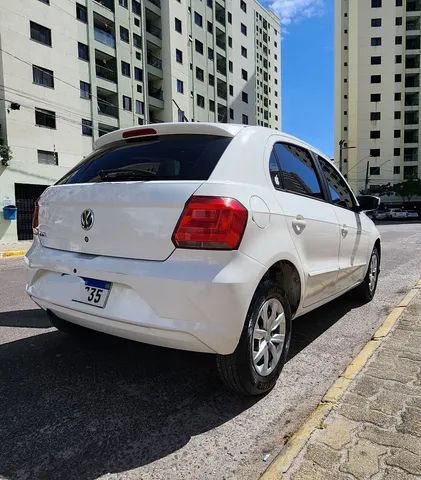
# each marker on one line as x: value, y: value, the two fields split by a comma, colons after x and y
x: 87, y: 219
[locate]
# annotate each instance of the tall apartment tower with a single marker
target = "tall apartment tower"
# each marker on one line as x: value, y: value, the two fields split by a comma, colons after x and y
x: 71, y: 71
x: 378, y: 90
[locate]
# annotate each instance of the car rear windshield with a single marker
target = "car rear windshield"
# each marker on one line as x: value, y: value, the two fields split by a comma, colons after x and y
x: 167, y: 157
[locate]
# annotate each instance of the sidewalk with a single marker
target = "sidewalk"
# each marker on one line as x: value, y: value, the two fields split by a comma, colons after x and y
x: 374, y: 431
x: 15, y: 249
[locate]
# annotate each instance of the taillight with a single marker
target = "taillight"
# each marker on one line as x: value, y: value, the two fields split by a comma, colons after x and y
x: 35, y: 222
x: 211, y: 223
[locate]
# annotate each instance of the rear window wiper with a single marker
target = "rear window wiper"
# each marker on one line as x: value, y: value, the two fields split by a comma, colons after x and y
x: 127, y: 174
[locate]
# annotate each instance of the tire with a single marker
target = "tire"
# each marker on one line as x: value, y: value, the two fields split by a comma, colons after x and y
x: 367, y: 289
x: 67, y: 327
x: 239, y: 371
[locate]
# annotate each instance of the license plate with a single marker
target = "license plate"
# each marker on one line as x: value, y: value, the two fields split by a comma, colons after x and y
x: 94, y: 292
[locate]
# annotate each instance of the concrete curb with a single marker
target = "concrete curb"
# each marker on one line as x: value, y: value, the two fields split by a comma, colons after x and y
x: 315, y: 420
x: 12, y: 253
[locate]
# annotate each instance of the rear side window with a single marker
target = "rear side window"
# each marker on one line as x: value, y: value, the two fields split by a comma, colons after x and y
x: 339, y: 190
x: 297, y: 170
x: 167, y: 157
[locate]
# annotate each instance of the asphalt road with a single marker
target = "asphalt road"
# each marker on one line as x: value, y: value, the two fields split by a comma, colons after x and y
x: 109, y: 408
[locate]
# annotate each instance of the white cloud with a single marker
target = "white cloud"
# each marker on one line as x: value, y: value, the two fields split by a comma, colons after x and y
x: 293, y: 10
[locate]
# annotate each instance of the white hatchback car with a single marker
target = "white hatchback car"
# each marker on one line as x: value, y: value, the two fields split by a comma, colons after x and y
x: 202, y: 237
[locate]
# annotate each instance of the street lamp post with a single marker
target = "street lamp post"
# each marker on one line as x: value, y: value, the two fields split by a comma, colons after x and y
x: 342, y: 147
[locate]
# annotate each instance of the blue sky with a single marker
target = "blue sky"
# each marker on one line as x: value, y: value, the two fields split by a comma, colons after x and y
x: 308, y: 70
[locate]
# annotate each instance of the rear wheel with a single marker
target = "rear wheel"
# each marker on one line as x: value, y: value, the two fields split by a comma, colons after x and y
x: 367, y: 288
x: 256, y: 363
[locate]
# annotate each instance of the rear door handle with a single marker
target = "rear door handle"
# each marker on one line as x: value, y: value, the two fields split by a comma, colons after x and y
x: 344, y: 230
x: 299, y: 224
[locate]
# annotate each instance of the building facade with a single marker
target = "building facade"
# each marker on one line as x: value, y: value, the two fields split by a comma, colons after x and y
x: 73, y: 71
x: 377, y: 91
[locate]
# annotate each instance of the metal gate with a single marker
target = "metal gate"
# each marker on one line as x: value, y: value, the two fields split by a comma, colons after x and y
x: 26, y: 195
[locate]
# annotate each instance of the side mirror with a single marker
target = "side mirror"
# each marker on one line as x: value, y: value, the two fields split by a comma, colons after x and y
x: 367, y: 203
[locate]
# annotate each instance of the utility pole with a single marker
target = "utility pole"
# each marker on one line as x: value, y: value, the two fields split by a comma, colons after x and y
x: 341, y: 144
x: 366, y: 176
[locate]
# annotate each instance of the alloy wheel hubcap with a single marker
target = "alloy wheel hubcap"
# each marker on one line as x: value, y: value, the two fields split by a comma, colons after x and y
x: 373, y: 272
x: 268, y: 337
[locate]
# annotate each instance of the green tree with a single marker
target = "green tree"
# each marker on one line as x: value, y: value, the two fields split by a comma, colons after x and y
x: 5, y: 153
x: 408, y: 189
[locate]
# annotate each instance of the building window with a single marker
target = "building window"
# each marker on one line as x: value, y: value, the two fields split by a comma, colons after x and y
x: 178, y: 26
x: 180, y: 86
x: 398, y: 96
x: 396, y: 170
x: 200, y: 101
x: 40, y: 34
x: 125, y: 68
x: 376, y: 3
x: 397, y: 134
x: 243, y: 6
x: 124, y: 34
x: 375, y: 116
x: 230, y: 66
x: 231, y: 112
x: 376, y: 60
x: 198, y: 19
x: 399, y: 3
x: 229, y: 18
x: 136, y: 7
x: 138, y: 74
x: 87, y: 127
x: 375, y: 134
x: 211, y: 105
x: 47, y: 158
x: 376, y: 78
x: 178, y: 55
x: 43, y: 76
x: 230, y: 42
x: 210, y: 27
x: 398, y: 40
x: 127, y: 103
x: 83, y: 51
x: 123, y: 3
x: 47, y: 2
x: 210, y: 53
x: 198, y: 46
x: 376, y: 22
x: 374, y: 170
x: 244, y: 74
x: 245, y: 119
x: 375, y: 152
x: 85, y: 90
x: 398, y: 58
x: 140, y: 107
x: 397, y: 152
x: 231, y: 90
x: 398, y: 77
x: 398, y: 21
x: 244, y: 52
x: 137, y: 40
x: 410, y: 172
x: 375, y: 97
x: 200, y: 74
x: 244, y: 97
x: 376, y: 41
x: 397, y: 115
x: 45, y: 118
x: 81, y: 13
x: 211, y: 80
x: 243, y: 29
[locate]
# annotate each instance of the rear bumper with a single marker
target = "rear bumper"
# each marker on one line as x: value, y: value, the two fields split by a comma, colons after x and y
x: 195, y: 300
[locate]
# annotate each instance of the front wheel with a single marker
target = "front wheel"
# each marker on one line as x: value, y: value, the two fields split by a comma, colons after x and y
x: 254, y: 367
x: 367, y: 288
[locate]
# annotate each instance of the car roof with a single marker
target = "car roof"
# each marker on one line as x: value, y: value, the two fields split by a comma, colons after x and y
x: 199, y: 128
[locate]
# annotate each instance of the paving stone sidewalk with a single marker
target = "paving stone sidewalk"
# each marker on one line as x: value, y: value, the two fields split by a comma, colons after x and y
x: 375, y: 430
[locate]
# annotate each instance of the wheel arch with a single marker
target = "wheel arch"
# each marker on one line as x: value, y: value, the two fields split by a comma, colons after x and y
x: 287, y: 275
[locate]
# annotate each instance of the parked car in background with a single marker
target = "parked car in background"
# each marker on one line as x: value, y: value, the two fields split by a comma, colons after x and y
x: 396, y: 214
x: 411, y: 215
x: 380, y: 214
x: 202, y: 237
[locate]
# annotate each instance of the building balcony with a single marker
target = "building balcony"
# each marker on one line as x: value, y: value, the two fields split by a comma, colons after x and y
x: 156, y: 98
x: 154, y: 61
x: 108, y: 109
x: 108, y: 4
x: 104, y: 37
x: 154, y: 30
x: 105, y: 73
x: 413, y: 5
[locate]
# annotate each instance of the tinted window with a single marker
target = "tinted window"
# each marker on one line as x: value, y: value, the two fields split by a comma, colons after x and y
x: 298, y: 173
x: 275, y: 174
x: 339, y: 191
x: 169, y: 157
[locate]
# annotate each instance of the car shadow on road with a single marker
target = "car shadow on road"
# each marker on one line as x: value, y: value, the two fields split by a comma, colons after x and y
x: 34, y: 318
x: 84, y: 408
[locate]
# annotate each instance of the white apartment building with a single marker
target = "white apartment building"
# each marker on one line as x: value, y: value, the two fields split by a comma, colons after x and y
x: 73, y: 71
x: 378, y: 90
